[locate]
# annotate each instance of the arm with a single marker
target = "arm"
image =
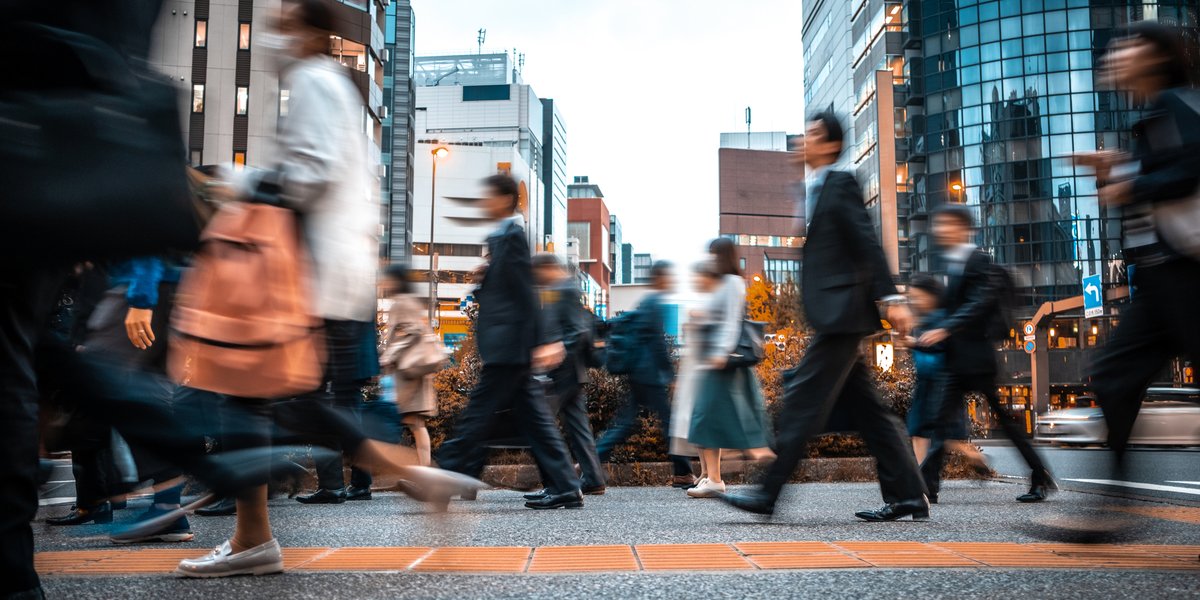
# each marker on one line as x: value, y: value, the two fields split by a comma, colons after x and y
x: 1175, y: 167
x: 732, y: 298
x: 145, y: 275
x: 306, y: 145
x: 856, y: 225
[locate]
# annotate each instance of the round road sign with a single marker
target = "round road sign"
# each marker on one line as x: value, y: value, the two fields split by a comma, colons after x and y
x: 1030, y: 346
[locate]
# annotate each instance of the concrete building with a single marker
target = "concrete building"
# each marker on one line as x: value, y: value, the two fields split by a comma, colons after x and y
x: 757, y: 207
x: 229, y: 90
x: 641, y: 268
x: 554, y: 171
x: 616, y: 247
x: 399, y: 122
x: 826, y: 44
x: 626, y: 264
x: 588, y: 221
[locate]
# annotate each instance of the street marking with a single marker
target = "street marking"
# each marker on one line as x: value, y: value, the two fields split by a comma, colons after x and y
x: 1186, y: 482
x: 1140, y: 486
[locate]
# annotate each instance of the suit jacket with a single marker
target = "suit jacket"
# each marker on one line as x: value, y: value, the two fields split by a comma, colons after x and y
x: 844, y: 271
x: 970, y: 301
x: 652, y: 366
x: 565, y: 319
x: 509, y: 322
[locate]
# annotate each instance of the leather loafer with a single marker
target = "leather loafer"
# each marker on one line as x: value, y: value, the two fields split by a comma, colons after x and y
x: 571, y: 499
x: 753, y: 501
x: 918, y: 509
x: 323, y: 496
x: 538, y: 495
x: 223, y: 508
x: 1040, y: 488
x: 266, y: 559
x: 100, y: 514
x: 933, y: 498
x: 594, y: 490
x: 357, y: 493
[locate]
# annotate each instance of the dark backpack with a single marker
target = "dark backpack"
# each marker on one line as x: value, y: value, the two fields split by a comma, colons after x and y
x: 594, y: 357
x: 1003, y: 318
x: 622, y: 344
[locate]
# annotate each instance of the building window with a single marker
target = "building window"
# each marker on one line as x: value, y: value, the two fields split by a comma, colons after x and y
x: 582, y: 231
x: 243, y: 100
x: 197, y: 157
x: 283, y: 102
x: 239, y: 160
x: 198, y: 98
x: 243, y: 36
x: 201, y: 33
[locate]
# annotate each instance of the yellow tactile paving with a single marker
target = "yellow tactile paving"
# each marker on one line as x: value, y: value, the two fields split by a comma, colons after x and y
x: 658, y: 557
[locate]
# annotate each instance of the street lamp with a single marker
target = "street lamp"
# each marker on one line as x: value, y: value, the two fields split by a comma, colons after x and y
x: 439, y: 152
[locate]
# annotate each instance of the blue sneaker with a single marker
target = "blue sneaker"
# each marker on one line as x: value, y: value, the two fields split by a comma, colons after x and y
x: 178, y: 530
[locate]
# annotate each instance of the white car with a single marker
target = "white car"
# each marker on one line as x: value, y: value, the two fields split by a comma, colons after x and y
x: 1169, y: 417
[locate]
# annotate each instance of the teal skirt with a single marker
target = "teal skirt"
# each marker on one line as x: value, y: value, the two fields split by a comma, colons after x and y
x: 729, y: 411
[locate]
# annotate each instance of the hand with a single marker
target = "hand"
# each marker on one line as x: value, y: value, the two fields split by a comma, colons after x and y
x: 718, y: 362
x: 1117, y: 194
x: 906, y: 341
x: 548, y: 356
x: 900, y: 317
x: 137, y: 327
x: 933, y: 337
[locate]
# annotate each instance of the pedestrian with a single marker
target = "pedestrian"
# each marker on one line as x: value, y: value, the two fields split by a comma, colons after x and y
x: 973, y: 308
x: 924, y: 298
x: 415, y: 397
x: 687, y: 383
x: 511, y: 349
x: 1150, y: 186
x: 845, y: 275
x: 651, y: 375
x: 564, y: 317
x: 728, y: 411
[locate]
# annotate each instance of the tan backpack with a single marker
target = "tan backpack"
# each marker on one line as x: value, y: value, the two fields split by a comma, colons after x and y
x: 244, y: 323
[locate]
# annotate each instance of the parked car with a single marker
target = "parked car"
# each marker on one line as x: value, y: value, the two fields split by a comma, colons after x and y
x: 1169, y: 417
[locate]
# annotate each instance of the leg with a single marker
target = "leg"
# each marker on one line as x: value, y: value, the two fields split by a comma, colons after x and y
x: 712, y: 457
x: 931, y: 467
x: 654, y: 398
x: 920, y: 447
x: 464, y: 453
x: 341, y: 392
x: 578, y: 432
x: 884, y: 433
x: 623, y: 425
x: 416, y: 425
x: 532, y: 414
x: 253, y: 527
x: 26, y: 299
x: 1013, y: 429
x: 810, y: 393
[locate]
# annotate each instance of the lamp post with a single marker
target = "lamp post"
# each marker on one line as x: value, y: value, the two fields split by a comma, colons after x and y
x: 439, y: 152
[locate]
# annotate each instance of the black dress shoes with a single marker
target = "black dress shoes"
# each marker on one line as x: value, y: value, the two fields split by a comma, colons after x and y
x: 933, y: 498
x: 357, y: 493
x: 571, y: 499
x: 917, y: 509
x: 1039, y: 490
x: 538, y: 495
x: 222, y: 508
x: 323, y: 496
x: 100, y: 514
x: 594, y: 490
x: 753, y: 501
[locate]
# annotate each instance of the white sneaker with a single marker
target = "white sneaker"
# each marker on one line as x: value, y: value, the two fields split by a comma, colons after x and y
x: 707, y: 489
x: 264, y: 559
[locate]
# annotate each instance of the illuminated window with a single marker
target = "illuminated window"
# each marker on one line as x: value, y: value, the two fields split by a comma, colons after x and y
x: 239, y: 160
x: 283, y: 102
x: 198, y: 98
x: 201, y: 34
x: 243, y: 100
x: 243, y: 36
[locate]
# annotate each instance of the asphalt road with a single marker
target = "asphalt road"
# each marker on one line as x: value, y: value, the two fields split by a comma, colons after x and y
x: 1168, y: 474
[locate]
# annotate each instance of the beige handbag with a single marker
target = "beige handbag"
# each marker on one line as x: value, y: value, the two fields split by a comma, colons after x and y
x: 414, y: 351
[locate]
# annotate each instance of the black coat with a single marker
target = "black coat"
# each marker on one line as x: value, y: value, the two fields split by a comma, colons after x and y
x: 971, y: 302
x: 564, y: 319
x: 844, y: 271
x: 509, y: 321
x: 652, y: 365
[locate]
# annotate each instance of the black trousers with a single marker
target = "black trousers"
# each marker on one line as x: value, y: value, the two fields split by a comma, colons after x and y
x: 342, y: 393
x: 954, y: 389
x: 1160, y: 324
x: 832, y: 373
x: 26, y: 300
x: 504, y: 387
x: 652, y: 399
x: 577, y: 429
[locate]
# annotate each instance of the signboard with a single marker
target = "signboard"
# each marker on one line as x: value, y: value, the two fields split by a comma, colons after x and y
x: 1030, y: 346
x: 1030, y: 338
x: 1093, y: 297
x: 1028, y: 328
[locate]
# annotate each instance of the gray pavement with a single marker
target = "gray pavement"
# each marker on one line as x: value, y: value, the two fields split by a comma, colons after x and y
x: 1168, y: 474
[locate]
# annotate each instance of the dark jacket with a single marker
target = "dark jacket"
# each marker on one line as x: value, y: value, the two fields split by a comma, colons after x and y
x: 1166, y: 147
x: 652, y: 365
x: 565, y: 319
x: 844, y: 271
x: 509, y: 323
x: 971, y: 302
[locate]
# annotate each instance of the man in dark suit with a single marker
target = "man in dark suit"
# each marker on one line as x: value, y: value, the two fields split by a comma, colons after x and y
x: 845, y: 275
x: 650, y: 376
x: 565, y: 319
x: 972, y: 304
x: 507, y: 333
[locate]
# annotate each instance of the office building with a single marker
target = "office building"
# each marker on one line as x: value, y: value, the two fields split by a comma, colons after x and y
x: 626, y: 264
x: 776, y: 141
x: 616, y: 247
x: 642, y: 263
x: 399, y: 120
x: 826, y: 44
x: 588, y: 221
x: 758, y: 206
x: 554, y: 170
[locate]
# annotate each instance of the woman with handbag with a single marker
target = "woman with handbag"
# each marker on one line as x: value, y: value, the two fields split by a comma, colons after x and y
x: 728, y: 411
x: 412, y: 354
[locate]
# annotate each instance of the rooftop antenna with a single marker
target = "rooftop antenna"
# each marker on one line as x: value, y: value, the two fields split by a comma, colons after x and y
x: 482, y: 37
x: 521, y: 63
x: 747, y: 127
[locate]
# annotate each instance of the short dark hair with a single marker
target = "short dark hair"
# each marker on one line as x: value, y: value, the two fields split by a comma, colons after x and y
x: 959, y: 212
x: 399, y: 273
x: 315, y: 14
x: 832, y: 126
x: 1169, y: 45
x: 661, y: 268
x: 725, y: 255
x: 926, y: 283
x: 546, y: 259
x: 504, y: 185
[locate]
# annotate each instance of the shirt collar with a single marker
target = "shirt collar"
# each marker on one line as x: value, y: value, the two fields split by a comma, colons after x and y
x: 816, y: 176
x: 961, y: 252
x: 518, y: 220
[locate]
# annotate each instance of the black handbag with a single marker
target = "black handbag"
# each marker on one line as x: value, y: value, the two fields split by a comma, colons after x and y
x: 749, y: 349
x: 92, y: 159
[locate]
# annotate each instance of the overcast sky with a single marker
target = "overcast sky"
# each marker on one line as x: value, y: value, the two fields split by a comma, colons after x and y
x: 645, y: 88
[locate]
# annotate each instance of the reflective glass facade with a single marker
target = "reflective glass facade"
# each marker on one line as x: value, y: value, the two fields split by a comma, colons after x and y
x: 1000, y: 92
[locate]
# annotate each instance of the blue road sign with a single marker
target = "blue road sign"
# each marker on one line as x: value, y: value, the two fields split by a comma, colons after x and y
x: 1093, y: 296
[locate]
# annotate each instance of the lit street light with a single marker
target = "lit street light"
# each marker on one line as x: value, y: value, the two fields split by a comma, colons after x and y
x: 439, y: 152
